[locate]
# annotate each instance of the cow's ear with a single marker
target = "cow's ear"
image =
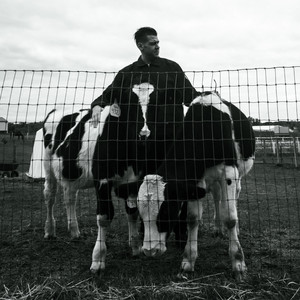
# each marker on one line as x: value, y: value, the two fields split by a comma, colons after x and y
x: 165, y: 217
x: 201, y: 192
x: 193, y: 192
x: 124, y: 190
x: 168, y: 212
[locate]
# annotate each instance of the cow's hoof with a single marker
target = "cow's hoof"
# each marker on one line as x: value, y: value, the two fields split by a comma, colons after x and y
x: 75, y: 236
x: 49, y: 236
x: 137, y: 251
x: 182, y: 276
x: 97, y: 267
x: 240, y: 274
x: 74, y: 231
x: 239, y: 277
x: 187, y: 267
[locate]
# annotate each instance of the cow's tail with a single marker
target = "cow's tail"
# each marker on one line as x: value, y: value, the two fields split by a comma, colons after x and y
x: 52, y: 111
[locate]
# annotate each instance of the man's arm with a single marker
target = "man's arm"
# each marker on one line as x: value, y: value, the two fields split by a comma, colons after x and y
x: 185, y: 87
x: 109, y: 94
x: 189, y: 92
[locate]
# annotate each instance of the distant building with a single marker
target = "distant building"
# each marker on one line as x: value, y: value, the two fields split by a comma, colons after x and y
x: 271, y: 130
x: 3, y: 125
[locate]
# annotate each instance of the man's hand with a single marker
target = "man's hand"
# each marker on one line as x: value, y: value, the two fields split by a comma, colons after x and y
x: 96, y: 113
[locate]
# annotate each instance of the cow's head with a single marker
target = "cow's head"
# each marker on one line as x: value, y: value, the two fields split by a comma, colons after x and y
x: 160, y: 205
x: 150, y: 199
x: 129, y: 112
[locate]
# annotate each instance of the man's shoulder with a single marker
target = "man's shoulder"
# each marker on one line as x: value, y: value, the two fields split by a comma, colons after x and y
x: 170, y: 63
x: 127, y: 68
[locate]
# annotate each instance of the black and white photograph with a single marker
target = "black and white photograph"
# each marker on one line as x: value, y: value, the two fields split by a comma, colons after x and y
x: 149, y: 150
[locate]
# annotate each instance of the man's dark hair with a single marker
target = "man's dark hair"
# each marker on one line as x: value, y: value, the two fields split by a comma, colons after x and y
x: 141, y: 34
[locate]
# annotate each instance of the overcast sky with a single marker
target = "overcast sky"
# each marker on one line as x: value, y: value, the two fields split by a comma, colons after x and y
x: 198, y: 34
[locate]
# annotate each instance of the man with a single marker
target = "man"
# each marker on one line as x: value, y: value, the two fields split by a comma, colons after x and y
x: 165, y: 114
x: 165, y: 75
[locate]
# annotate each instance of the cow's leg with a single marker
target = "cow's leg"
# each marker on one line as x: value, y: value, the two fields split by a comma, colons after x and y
x: 180, y: 227
x: 50, y: 188
x: 105, y: 214
x: 129, y: 191
x: 194, y: 215
x: 133, y: 233
x: 70, y: 199
x: 229, y: 217
x: 216, y: 191
x: 238, y: 191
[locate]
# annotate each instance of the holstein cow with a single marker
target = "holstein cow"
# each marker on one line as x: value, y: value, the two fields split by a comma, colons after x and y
x: 79, y: 156
x: 216, y: 152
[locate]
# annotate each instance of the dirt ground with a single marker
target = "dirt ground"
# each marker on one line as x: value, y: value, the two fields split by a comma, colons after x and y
x: 269, y: 212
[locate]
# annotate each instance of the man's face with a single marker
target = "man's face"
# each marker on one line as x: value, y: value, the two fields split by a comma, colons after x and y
x: 150, y: 48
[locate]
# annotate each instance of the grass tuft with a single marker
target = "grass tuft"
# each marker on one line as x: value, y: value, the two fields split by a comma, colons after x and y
x: 207, y: 287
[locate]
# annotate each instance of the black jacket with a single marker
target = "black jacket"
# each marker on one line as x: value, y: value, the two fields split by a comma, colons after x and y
x: 171, y: 85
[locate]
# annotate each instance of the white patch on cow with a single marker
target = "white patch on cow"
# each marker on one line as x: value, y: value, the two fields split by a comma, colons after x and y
x: 151, y: 195
x: 214, y: 100
x: 150, y: 198
x: 131, y: 202
x: 143, y: 92
x: 86, y: 153
x: 89, y: 140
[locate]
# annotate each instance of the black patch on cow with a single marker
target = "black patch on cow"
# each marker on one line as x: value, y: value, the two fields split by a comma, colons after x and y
x: 65, y: 124
x: 180, y: 227
x: 177, y: 194
x: 243, y: 131
x: 185, y: 190
x: 126, y: 189
x: 47, y: 140
x: 205, y: 141
x: 205, y: 93
x: 69, y: 150
x: 168, y: 215
x: 47, y: 137
x: 119, y: 147
x: 230, y: 223
x: 169, y: 210
x: 104, y: 201
x: 208, y: 139
x: 130, y: 210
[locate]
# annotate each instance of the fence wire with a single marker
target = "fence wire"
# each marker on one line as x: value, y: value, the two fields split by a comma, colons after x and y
x: 268, y: 208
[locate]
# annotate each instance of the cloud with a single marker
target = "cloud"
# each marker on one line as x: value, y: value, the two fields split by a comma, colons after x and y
x: 97, y: 35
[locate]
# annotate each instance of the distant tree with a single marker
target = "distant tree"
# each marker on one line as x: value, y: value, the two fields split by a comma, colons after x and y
x: 254, y: 121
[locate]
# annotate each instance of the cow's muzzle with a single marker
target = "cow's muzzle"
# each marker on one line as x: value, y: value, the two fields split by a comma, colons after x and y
x: 145, y: 132
x: 155, y: 251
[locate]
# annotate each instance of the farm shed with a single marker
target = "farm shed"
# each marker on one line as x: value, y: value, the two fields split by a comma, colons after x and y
x: 3, y: 125
x: 275, y: 130
x: 36, y: 168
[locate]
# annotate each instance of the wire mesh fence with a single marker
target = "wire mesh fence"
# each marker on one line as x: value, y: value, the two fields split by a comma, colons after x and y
x: 268, y: 206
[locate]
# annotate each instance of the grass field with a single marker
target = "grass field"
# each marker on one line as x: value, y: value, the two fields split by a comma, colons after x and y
x: 32, y: 268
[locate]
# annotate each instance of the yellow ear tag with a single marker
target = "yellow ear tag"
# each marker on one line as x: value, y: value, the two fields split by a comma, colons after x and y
x: 115, y: 110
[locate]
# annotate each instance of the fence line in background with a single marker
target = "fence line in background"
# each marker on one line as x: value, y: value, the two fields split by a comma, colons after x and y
x: 282, y: 148
x: 267, y: 94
